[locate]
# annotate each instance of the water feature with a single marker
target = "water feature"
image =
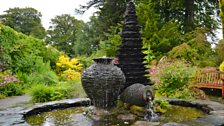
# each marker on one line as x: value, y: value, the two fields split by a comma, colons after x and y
x: 79, y: 116
x: 130, y: 53
x: 150, y: 114
x: 104, y: 82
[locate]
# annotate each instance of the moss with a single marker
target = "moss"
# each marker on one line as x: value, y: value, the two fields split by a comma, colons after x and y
x: 180, y: 114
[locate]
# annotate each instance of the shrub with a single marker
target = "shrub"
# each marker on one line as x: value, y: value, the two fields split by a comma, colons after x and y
x: 76, y: 88
x: 44, y: 93
x: 221, y: 67
x: 9, y: 84
x: 42, y: 74
x: 174, y: 78
x: 41, y: 93
x: 11, y: 89
x: 2, y: 96
x: 68, y: 68
x: 71, y: 75
x: 86, y: 60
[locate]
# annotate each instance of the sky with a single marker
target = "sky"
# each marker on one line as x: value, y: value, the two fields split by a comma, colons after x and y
x: 49, y: 8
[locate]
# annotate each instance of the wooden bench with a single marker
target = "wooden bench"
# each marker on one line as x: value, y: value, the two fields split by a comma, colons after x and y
x: 212, y: 79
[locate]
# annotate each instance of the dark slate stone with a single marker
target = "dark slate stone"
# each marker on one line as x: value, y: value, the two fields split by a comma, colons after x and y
x: 49, y: 106
x: 130, y: 52
x: 103, y: 82
x: 136, y: 94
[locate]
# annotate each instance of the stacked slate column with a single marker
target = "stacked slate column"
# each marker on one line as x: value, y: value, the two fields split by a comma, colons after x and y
x: 130, y: 52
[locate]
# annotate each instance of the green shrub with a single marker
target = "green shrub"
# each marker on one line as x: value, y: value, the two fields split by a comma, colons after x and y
x: 63, y: 90
x: 221, y: 67
x: 2, y: 96
x: 48, y: 78
x: 76, y: 89
x: 86, y: 60
x: 11, y: 89
x: 42, y: 75
x: 41, y: 93
x: 9, y: 84
x: 175, y: 77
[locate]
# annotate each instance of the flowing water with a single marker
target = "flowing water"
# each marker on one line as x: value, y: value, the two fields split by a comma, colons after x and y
x: 150, y: 114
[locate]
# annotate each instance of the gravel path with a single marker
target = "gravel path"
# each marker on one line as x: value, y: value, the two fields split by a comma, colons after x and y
x: 13, y: 101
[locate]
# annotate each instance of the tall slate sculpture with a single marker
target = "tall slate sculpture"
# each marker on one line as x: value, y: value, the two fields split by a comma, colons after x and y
x: 130, y: 52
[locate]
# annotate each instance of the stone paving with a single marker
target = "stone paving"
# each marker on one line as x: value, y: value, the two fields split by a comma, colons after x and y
x: 14, y: 101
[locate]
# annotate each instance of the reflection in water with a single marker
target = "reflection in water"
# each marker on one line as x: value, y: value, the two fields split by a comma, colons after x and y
x: 84, y: 116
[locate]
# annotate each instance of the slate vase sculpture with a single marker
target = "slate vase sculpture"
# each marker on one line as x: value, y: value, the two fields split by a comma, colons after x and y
x: 103, y: 82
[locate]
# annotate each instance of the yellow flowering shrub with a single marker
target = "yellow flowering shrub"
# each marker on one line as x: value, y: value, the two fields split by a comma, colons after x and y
x: 221, y: 67
x: 71, y: 75
x: 70, y: 69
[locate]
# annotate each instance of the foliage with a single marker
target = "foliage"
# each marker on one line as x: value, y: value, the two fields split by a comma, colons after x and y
x: 6, y: 77
x: 52, y: 55
x: 62, y: 34
x: 27, y: 53
x: 161, y: 105
x: 76, y: 89
x: 110, y: 46
x: 87, y: 40
x: 19, y: 52
x: 41, y: 93
x: 110, y: 13
x: 68, y: 68
x: 25, y: 20
x: 2, y: 96
x: 71, y: 75
x: 174, y: 78
x: 8, y: 40
x: 9, y: 84
x: 189, y: 13
x: 44, y: 93
x: 43, y: 74
x: 221, y: 14
x: 11, y: 89
x: 195, y: 49
x: 183, y: 51
x: 221, y: 67
x: 86, y: 60
x: 219, y: 50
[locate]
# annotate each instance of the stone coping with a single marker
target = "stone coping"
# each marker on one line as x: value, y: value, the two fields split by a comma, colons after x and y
x: 62, y: 104
x: 214, y: 110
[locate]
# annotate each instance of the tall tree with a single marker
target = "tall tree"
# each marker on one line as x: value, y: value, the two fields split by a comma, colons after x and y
x: 110, y: 13
x: 189, y: 13
x: 63, y: 32
x: 87, y: 40
x: 221, y: 7
x: 25, y: 20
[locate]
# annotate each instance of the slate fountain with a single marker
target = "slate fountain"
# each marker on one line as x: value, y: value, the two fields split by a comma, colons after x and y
x: 106, y: 83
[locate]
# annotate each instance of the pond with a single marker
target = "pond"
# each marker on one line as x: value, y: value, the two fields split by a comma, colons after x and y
x: 78, y: 116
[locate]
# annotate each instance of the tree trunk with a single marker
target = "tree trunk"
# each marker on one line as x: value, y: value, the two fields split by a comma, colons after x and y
x: 189, y: 15
x: 221, y: 6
